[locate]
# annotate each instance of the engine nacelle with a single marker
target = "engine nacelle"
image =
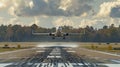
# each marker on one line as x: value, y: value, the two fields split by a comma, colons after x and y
x: 66, y: 34
x: 50, y: 34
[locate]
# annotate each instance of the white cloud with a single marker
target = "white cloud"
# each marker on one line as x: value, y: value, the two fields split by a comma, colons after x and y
x: 1, y: 20
x: 106, y: 7
x: 46, y: 1
x: 12, y: 21
x: 115, y: 21
x: 99, y: 22
x: 6, y: 3
x: 69, y: 8
x: 63, y: 22
x: 84, y: 14
x: 2, y: 5
x: 87, y: 22
x: 4, y: 21
x: 31, y: 4
x: 64, y: 5
x: 11, y: 11
x: 50, y: 7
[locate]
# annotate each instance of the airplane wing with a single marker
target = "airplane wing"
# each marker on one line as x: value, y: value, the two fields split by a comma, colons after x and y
x: 74, y: 34
x: 41, y: 34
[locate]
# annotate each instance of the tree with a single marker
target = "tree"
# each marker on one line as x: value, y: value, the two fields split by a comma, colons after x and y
x: 112, y: 26
x: 9, y: 33
x: 105, y: 27
x: 3, y: 32
x: 24, y: 33
x: 34, y: 27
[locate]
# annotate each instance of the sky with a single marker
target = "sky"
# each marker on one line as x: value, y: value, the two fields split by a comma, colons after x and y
x: 52, y: 13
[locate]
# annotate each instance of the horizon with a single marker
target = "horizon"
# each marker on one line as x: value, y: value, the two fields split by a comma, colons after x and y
x: 108, y: 26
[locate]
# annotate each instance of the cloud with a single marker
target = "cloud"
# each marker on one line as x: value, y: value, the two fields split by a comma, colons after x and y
x: 115, y: 21
x: 4, y: 21
x: 109, y: 9
x: 63, y: 22
x: 12, y: 21
x: 35, y: 21
x: 64, y: 5
x: 3, y: 4
x: 6, y: 3
x: 15, y: 21
x: 76, y: 13
x: 50, y: 7
x: 99, y: 22
x: 87, y: 22
x: 1, y: 20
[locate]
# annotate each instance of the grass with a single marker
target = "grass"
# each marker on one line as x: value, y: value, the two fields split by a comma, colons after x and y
x: 14, y: 45
x: 103, y: 47
x: 9, y: 49
x: 23, y: 44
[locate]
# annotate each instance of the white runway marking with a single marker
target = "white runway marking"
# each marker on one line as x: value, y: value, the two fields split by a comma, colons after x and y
x: 5, y: 64
x: 112, y: 65
x: 60, y: 64
x: 116, y: 61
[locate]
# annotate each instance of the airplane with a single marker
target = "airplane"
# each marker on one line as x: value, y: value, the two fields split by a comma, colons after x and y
x: 57, y: 33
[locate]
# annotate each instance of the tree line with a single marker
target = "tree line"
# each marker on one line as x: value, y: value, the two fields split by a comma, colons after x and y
x: 18, y: 33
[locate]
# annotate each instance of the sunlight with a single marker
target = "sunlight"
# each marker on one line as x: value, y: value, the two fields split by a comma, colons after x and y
x: 2, y: 5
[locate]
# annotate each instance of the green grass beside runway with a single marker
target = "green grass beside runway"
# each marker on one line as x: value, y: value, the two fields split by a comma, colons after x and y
x: 9, y: 49
x: 103, y: 47
x: 11, y: 46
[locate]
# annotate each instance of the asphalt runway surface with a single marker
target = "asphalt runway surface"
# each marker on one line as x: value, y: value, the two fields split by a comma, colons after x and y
x: 54, y: 57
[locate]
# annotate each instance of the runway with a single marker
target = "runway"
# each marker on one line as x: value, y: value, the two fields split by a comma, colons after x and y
x: 54, y: 57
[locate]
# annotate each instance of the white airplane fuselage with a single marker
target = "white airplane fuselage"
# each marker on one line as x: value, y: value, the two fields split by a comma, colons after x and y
x: 59, y: 32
